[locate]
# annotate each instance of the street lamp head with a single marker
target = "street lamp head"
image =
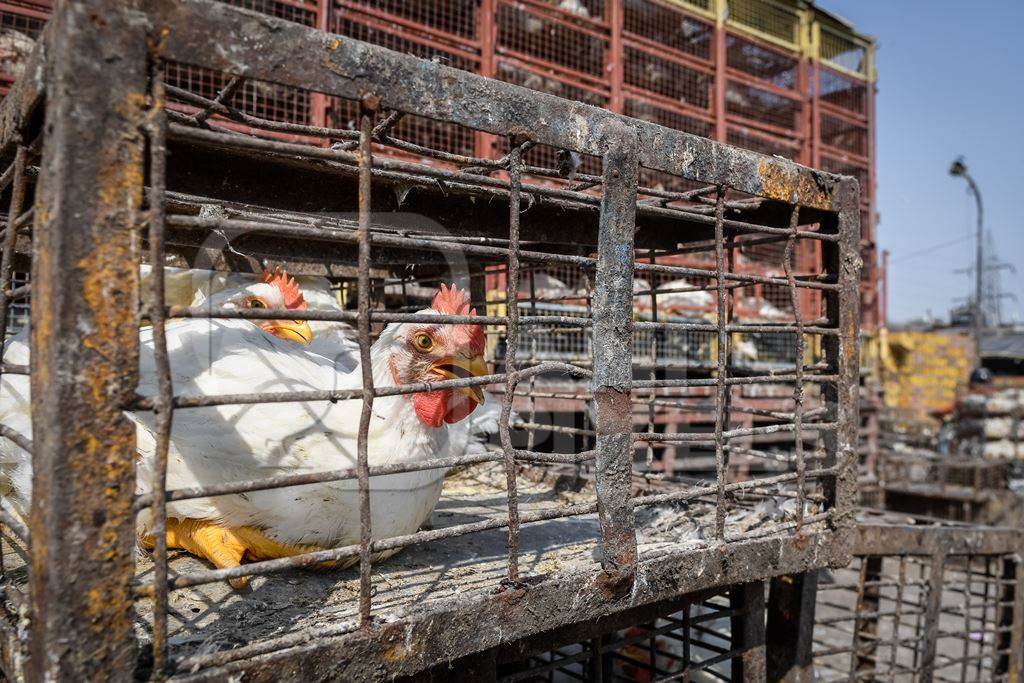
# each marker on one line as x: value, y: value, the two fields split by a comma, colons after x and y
x: 958, y: 167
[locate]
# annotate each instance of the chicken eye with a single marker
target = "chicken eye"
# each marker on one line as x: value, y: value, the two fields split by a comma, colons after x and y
x: 424, y: 342
x: 256, y: 303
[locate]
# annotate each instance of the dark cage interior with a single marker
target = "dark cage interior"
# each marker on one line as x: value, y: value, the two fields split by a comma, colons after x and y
x: 569, y: 254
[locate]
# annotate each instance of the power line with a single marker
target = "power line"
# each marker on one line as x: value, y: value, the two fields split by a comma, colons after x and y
x: 933, y: 248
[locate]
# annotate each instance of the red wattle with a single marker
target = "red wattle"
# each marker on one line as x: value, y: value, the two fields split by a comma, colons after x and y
x: 459, y: 406
x: 437, y: 407
x: 431, y: 407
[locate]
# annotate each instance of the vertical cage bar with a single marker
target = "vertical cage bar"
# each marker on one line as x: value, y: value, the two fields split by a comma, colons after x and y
x: 968, y: 581
x: 363, y: 332
x: 511, y: 347
x: 84, y: 342
x: 1003, y: 637
x: 865, y: 644
x: 897, y: 620
x: 721, y: 388
x: 842, y: 354
x: 932, y: 608
x: 748, y: 632
x: 790, y: 631
x: 798, y: 369
x: 613, y: 352
x: 163, y: 411
x: 1016, y: 663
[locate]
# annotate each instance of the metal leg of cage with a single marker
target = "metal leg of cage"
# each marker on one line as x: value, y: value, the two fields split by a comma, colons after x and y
x: 865, y: 643
x: 84, y: 342
x: 748, y: 631
x: 789, y: 638
x: 1006, y: 624
x: 933, y: 607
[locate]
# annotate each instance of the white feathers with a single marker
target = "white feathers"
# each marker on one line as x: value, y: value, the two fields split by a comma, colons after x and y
x: 241, y: 442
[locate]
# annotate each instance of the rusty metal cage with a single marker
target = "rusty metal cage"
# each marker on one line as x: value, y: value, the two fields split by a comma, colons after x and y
x: 107, y: 169
x: 923, y: 601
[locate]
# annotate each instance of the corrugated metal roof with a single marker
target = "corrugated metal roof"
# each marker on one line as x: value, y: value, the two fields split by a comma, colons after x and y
x: 1009, y: 345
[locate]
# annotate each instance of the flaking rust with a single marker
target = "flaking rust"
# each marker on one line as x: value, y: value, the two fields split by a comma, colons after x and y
x: 777, y: 182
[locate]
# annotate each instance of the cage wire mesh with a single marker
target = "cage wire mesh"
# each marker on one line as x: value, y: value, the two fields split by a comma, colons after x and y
x: 616, y: 346
x: 925, y: 602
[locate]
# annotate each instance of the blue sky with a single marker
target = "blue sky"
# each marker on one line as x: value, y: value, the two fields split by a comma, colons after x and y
x: 950, y: 82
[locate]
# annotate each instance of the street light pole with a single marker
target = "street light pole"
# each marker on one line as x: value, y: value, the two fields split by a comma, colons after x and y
x: 958, y: 168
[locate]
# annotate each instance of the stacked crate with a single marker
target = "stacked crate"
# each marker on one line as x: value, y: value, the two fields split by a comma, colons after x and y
x: 21, y: 22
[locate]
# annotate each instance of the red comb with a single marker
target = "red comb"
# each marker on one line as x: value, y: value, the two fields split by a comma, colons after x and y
x: 455, y: 301
x: 452, y: 301
x: 293, y: 298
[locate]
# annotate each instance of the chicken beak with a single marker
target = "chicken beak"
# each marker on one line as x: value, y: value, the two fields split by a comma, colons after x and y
x: 460, y: 368
x: 292, y: 330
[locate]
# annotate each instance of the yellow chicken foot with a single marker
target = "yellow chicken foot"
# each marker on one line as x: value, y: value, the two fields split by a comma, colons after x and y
x: 225, y: 547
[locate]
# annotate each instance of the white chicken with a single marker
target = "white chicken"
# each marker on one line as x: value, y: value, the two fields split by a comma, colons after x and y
x: 242, y: 442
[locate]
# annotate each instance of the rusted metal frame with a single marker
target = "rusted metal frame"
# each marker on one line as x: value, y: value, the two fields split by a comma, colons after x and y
x: 486, y: 620
x: 790, y: 630
x: 163, y: 411
x: 933, y: 607
x: 613, y: 353
x: 747, y: 630
x: 511, y: 349
x: 295, y: 55
x: 883, y: 539
x: 721, y: 373
x: 84, y: 341
x: 366, y: 364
